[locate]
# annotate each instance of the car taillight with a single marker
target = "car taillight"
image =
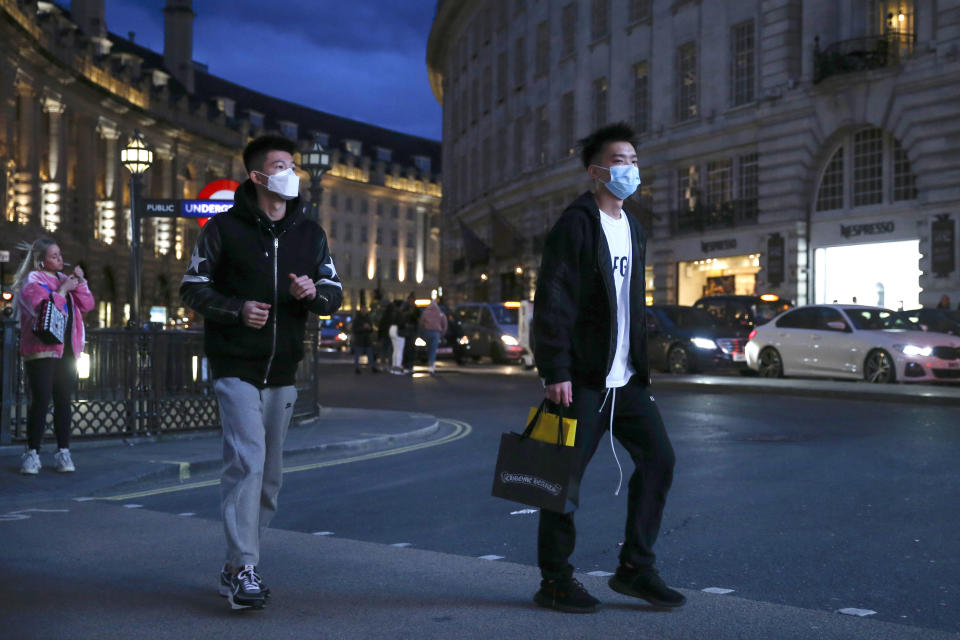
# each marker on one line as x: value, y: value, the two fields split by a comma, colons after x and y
x: 752, y: 333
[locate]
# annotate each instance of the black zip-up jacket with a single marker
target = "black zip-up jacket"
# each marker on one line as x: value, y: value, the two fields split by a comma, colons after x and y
x: 575, y: 309
x: 242, y: 255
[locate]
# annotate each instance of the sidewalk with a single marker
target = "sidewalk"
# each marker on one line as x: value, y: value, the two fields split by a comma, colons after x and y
x: 158, y: 580
x: 102, y: 464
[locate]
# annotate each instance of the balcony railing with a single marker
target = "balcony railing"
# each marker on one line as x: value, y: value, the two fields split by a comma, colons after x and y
x: 860, y: 54
x: 722, y: 215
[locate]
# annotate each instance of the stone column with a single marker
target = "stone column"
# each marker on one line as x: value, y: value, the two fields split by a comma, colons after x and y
x: 108, y: 219
x: 27, y: 187
x: 53, y: 189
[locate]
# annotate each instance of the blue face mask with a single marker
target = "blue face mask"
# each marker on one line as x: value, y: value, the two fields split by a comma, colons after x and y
x: 624, y: 180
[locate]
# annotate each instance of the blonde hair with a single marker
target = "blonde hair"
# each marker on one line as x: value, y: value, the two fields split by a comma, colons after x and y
x: 36, y: 254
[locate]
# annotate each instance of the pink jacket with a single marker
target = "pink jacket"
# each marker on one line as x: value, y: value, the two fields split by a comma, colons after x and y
x: 30, y: 297
x: 432, y: 318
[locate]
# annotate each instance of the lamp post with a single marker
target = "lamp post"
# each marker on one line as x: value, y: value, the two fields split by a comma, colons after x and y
x: 137, y: 158
x: 316, y: 161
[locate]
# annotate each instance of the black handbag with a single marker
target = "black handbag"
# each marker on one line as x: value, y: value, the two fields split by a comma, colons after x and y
x: 536, y: 473
x: 51, y: 323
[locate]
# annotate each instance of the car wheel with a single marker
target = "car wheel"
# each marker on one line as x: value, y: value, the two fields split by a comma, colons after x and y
x: 771, y: 366
x: 677, y: 360
x: 879, y: 368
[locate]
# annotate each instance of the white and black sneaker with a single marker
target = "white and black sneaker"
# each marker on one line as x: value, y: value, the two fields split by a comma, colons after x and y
x: 226, y: 578
x: 245, y: 592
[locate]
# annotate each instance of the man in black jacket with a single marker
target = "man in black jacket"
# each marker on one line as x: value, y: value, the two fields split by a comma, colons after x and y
x: 590, y: 345
x: 258, y: 271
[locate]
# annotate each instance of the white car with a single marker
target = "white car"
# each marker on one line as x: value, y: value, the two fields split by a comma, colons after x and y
x: 851, y: 341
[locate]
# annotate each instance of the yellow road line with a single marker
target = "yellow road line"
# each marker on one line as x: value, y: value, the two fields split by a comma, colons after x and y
x: 460, y: 430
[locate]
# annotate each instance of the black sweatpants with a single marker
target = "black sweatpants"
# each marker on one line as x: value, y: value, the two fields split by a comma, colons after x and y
x: 639, y: 428
x: 50, y: 378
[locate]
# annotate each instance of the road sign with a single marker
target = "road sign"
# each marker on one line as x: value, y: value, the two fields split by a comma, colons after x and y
x: 4, y: 256
x: 170, y: 208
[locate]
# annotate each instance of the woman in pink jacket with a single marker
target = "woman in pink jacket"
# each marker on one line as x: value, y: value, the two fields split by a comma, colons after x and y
x: 51, y: 368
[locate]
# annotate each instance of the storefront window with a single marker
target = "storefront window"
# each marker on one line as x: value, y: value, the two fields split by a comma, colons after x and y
x: 735, y: 275
x: 885, y: 274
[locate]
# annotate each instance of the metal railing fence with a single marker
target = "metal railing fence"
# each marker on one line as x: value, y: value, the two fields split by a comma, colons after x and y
x: 142, y: 382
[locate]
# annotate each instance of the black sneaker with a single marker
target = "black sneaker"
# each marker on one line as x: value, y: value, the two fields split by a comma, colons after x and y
x: 646, y: 584
x: 245, y: 592
x: 226, y: 576
x: 566, y: 595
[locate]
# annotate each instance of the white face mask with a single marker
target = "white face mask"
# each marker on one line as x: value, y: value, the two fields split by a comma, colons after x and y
x: 285, y: 184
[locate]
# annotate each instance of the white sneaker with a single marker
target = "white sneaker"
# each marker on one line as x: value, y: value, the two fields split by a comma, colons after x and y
x: 31, y: 463
x: 64, y: 462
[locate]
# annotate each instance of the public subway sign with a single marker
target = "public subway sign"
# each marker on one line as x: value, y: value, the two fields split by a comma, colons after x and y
x: 866, y: 229
x: 171, y: 208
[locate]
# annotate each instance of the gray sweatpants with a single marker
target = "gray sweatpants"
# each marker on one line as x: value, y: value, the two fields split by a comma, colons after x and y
x: 254, y: 425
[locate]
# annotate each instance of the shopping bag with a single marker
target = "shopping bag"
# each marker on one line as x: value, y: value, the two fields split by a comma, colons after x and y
x: 51, y: 323
x: 545, y: 426
x: 537, y: 473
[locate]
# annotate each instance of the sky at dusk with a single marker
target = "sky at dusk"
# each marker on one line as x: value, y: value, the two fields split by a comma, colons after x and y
x: 361, y: 59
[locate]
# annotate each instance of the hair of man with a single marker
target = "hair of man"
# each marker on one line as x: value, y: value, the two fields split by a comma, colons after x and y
x: 593, y: 146
x: 255, y: 153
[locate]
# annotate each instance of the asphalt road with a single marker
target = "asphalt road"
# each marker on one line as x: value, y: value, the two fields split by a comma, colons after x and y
x: 820, y: 504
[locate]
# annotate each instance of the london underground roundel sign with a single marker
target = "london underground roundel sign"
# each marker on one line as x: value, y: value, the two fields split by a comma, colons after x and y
x: 217, y: 190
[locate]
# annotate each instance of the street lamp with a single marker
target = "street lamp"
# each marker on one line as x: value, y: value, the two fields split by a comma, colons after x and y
x: 316, y: 161
x: 137, y: 158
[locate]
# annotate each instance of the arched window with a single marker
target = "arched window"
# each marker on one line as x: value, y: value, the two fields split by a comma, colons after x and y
x: 868, y: 167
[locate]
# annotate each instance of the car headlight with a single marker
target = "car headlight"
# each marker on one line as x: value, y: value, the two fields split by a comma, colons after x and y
x: 464, y: 341
x: 419, y: 342
x: 912, y: 350
x: 704, y: 343
x: 510, y: 341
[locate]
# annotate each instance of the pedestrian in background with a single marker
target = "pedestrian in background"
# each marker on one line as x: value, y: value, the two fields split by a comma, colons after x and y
x: 410, y: 316
x: 257, y: 272
x: 433, y: 325
x: 944, y: 302
x: 51, y: 368
x: 361, y: 331
x: 396, y: 318
x: 591, y: 350
x: 384, y: 348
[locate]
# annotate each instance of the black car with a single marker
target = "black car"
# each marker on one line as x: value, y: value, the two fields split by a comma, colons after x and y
x: 687, y: 339
x: 743, y: 311
x: 452, y: 344
x: 939, y: 320
x: 492, y: 330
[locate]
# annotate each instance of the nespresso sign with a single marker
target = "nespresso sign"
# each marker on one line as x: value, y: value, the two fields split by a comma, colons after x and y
x: 867, y: 229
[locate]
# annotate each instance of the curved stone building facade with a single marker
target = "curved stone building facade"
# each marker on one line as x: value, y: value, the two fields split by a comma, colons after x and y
x: 807, y: 148
x: 71, y: 96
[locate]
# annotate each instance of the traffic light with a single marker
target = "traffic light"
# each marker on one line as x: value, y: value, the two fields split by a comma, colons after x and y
x: 7, y: 296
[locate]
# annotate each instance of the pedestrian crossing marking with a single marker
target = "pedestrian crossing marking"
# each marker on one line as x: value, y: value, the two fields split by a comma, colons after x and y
x: 599, y: 574
x: 717, y: 590
x: 853, y: 611
x: 490, y: 557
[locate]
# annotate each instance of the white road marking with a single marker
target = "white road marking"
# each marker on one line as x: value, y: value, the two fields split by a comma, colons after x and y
x: 83, y: 499
x: 42, y: 511
x: 852, y: 611
x: 22, y: 514
x: 133, y: 506
x: 717, y: 590
x: 523, y: 512
x: 323, y: 533
x: 490, y: 557
x: 401, y: 544
x: 11, y: 517
x: 186, y: 514
x: 599, y: 574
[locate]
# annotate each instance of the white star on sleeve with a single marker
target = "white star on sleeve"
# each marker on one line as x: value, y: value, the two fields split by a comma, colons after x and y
x: 330, y: 279
x: 195, y: 261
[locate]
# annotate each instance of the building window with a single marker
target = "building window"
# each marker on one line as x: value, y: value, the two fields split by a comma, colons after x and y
x: 519, y: 150
x: 383, y: 155
x: 380, y: 235
x: 422, y: 163
x: 411, y: 236
x: 353, y: 147
x: 830, y: 194
x: 748, y: 168
x: 364, y: 235
x: 641, y: 98
x: 686, y: 92
x: 363, y: 205
x: 395, y: 212
x: 867, y: 167
x: 393, y: 238
x: 567, y: 124
x: 542, y: 132
x: 904, y: 182
x: 568, y: 46
x: 600, y: 19
x: 542, y: 63
x: 487, y: 89
x: 639, y: 10
x: 379, y: 208
x: 334, y: 199
x: 348, y: 232
x: 289, y: 130
x: 411, y: 214
x: 599, y: 102
x: 333, y: 229
x: 502, y: 79
x: 519, y: 64
x: 688, y: 187
x: 742, y: 63
x: 348, y: 204
x: 719, y: 182
x: 256, y: 120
